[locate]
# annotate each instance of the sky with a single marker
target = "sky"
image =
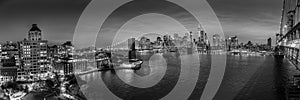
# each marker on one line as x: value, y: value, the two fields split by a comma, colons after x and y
x: 250, y: 20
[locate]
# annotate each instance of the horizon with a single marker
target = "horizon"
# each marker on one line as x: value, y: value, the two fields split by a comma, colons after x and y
x: 249, y: 20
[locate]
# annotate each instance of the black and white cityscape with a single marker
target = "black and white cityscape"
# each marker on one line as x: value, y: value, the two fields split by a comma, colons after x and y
x: 149, y: 50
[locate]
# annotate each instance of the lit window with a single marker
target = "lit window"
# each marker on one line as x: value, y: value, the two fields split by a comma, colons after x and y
x: 42, y: 43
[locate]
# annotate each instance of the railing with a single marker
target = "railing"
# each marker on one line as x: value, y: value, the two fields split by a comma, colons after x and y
x: 292, y: 34
x: 293, y: 55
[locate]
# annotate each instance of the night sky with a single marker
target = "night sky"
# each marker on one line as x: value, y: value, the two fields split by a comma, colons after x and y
x: 254, y: 20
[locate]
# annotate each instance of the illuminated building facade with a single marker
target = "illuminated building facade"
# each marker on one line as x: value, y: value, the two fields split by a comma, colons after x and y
x: 36, y: 64
x: 10, y: 61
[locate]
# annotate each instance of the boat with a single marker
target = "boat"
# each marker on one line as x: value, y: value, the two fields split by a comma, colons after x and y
x: 132, y: 64
x: 235, y: 52
x: 244, y: 52
x: 263, y: 53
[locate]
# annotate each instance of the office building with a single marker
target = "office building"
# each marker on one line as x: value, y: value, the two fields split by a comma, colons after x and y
x: 36, y: 64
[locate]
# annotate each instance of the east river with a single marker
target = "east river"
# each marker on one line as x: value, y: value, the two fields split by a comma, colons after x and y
x: 248, y: 77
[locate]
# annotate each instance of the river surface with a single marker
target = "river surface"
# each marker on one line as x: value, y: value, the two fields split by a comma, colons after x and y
x: 251, y: 77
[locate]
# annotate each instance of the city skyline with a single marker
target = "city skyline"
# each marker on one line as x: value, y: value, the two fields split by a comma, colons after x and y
x: 250, y: 20
x: 149, y: 49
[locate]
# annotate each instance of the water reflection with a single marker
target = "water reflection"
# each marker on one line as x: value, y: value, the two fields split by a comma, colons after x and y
x: 126, y: 75
x: 151, y: 73
x: 257, y: 76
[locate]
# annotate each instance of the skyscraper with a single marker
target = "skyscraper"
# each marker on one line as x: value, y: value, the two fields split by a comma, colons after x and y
x: 216, y: 40
x: 269, y: 43
x: 200, y: 33
x: 34, y: 54
x: 66, y: 53
x: 232, y: 43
